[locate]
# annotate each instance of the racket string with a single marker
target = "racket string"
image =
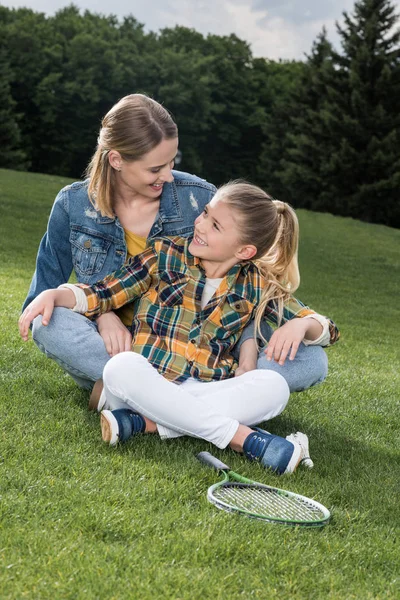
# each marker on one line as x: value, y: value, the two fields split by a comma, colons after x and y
x: 267, y: 502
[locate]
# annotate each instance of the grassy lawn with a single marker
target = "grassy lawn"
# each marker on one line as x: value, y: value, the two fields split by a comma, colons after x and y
x: 80, y: 520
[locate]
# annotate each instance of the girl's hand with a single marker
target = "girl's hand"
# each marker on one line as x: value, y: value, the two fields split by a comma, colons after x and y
x: 41, y: 305
x: 116, y: 337
x: 44, y: 305
x: 287, y: 338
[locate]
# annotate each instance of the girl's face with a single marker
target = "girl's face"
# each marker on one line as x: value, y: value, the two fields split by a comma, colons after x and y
x: 217, y: 236
x: 146, y: 176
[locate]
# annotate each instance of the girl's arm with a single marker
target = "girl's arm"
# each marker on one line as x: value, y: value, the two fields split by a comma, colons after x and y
x: 301, y: 324
x: 127, y: 283
x: 44, y: 305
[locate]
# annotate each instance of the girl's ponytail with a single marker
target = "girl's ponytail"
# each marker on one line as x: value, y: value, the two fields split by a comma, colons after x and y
x: 279, y: 265
x: 275, y: 226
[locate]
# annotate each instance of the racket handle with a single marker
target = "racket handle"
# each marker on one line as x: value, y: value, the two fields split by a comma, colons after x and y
x: 211, y: 461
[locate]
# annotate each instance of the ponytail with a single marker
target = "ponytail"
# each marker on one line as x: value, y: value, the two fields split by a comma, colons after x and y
x: 279, y: 265
x: 274, y: 225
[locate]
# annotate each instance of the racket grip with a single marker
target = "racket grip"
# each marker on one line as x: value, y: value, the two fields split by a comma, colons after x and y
x: 211, y: 461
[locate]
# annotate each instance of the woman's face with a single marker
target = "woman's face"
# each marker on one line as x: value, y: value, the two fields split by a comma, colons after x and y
x: 146, y: 176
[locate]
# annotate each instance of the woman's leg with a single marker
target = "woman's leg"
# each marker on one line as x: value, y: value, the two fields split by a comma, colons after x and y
x: 309, y: 367
x: 74, y: 343
x: 212, y: 412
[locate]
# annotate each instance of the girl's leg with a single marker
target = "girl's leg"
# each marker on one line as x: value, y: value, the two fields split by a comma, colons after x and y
x: 74, y: 343
x: 212, y: 412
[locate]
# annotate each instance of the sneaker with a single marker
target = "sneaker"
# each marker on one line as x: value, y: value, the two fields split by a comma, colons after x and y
x: 272, y: 451
x: 302, y: 440
x: 120, y: 424
x: 97, y: 400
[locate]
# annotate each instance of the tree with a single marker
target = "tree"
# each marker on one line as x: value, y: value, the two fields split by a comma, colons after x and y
x: 369, y: 150
x: 307, y: 139
x: 343, y: 154
x: 11, y: 156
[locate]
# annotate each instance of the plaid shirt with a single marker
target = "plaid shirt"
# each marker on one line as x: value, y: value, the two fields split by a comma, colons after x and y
x: 169, y: 327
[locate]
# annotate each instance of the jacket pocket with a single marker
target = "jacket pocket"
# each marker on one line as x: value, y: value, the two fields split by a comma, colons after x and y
x: 89, y: 252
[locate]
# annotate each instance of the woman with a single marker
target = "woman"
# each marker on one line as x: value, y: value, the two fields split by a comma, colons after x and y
x: 132, y: 195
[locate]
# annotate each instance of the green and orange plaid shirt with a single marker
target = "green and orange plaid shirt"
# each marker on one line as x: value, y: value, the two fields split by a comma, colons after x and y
x: 170, y: 328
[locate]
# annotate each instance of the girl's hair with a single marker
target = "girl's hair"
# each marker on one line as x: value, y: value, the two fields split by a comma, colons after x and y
x: 272, y: 226
x: 133, y: 127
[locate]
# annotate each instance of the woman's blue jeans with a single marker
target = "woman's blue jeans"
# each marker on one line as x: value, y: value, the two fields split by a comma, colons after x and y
x: 74, y: 342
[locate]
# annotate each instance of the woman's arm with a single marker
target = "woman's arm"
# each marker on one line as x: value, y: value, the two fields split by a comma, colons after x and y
x: 54, y: 258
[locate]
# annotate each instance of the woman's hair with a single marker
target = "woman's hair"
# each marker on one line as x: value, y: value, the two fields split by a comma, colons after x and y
x: 271, y: 226
x: 133, y: 127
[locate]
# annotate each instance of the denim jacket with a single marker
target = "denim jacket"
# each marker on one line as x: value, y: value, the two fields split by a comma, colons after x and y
x: 79, y: 239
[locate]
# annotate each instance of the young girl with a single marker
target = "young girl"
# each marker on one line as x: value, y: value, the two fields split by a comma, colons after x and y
x: 193, y: 297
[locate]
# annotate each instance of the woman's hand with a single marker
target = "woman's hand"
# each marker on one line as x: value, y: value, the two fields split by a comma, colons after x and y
x: 44, y: 305
x: 116, y: 337
x: 287, y: 339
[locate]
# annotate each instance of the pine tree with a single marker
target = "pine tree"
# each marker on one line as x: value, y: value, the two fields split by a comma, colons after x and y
x: 366, y: 165
x: 308, y: 138
x: 343, y: 151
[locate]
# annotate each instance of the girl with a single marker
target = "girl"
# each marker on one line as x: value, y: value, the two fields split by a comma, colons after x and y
x: 192, y: 299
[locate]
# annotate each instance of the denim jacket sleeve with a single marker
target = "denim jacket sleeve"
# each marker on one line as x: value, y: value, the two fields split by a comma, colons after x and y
x: 55, y: 264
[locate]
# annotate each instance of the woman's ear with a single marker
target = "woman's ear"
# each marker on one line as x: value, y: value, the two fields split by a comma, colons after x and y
x: 115, y: 160
x: 246, y: 252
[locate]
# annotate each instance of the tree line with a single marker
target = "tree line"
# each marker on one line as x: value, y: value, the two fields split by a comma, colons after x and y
x: 323, y: 133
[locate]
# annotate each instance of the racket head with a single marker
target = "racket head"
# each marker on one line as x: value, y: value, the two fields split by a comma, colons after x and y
x: 267, y: 503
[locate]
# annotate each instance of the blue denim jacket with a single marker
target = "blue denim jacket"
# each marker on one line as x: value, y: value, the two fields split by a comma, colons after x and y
x: 79, y: 239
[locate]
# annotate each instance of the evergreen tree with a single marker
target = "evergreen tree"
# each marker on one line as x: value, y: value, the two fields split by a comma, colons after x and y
x: 343, y: 153
x: 365, y: 168
x: 307, y: 140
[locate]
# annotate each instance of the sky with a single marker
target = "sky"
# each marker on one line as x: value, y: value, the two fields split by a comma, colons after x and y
x: 274, y: 29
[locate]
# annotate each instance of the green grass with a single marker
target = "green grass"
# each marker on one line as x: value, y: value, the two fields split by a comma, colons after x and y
x: 80, y: 520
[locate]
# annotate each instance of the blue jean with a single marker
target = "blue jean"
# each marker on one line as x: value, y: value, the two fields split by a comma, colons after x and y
x: 74, y: 342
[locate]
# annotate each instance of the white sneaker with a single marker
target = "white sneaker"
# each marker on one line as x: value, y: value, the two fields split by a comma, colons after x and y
x: 302, y: 440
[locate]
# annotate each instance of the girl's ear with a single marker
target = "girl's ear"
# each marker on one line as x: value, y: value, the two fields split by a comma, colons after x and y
x: 246, y: 252
x: 115, y: 160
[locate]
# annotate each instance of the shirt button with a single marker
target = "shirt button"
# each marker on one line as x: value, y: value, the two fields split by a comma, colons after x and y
x: 192, y: 341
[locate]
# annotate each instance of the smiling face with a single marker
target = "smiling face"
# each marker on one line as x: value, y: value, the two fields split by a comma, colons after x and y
x: 216, y: 239
x: 146, y: 176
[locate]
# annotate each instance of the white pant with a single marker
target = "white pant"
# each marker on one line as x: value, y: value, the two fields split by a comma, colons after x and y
x: 207, y: 410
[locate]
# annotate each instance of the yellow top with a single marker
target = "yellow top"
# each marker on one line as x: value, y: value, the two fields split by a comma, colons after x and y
x: 135, y: 244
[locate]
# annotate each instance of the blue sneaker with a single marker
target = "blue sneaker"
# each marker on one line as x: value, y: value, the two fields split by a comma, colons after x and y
x: 121, y: 424
x: 273, y: 452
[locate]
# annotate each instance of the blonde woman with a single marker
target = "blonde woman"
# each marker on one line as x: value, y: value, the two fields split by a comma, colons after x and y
x: 131, y: 195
